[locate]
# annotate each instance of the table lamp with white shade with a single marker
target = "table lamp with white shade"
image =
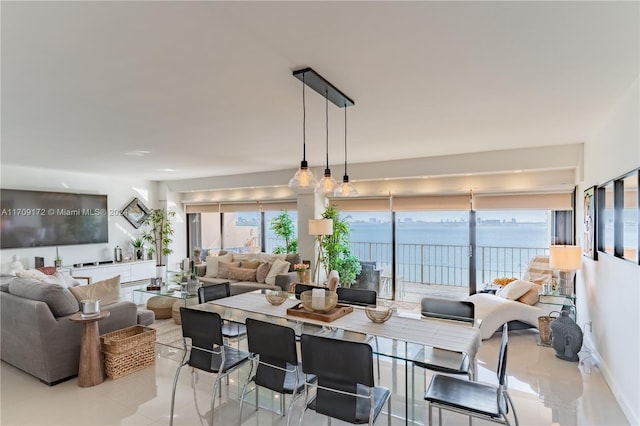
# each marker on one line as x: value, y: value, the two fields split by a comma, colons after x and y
x: 320, y: 228
x: 567, y: 260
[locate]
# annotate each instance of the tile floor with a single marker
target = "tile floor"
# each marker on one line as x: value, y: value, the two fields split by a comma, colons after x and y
x: 545, y: 389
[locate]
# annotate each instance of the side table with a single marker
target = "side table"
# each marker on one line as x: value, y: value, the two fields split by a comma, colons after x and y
x: 91, y: 371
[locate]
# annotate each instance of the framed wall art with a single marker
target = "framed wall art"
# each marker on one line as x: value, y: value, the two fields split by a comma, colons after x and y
x: 135, y: 212
x: 589, y: 239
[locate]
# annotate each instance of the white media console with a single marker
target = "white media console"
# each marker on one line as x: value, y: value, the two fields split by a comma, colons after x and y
x: 128, y: 271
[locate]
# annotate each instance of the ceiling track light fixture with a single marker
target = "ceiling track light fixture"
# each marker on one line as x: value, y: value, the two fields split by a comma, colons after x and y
x: 345, y: 189
x: 304, y: 179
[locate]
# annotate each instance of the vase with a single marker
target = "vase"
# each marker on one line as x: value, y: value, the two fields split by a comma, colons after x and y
x: 161, y: 271
x: 307, y: 277
x: 566, y: 337
x: 301, y: 275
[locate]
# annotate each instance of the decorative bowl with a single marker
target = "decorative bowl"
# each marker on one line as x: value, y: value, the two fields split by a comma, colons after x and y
x: 322, y: 305
x: 378, y: 314
x: 276, y: 297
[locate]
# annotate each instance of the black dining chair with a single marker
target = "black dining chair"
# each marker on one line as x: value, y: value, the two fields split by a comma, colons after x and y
x: 440, y: 360
x: 230, y: 330
x: 274, y: 364
x: 300, y: 288
x: 207, y: 351
x: 358, y: 297
x: 485, y: 401
x: 343, y: 390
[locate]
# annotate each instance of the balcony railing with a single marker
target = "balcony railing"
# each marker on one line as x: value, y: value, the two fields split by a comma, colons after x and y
x: 443, y: 264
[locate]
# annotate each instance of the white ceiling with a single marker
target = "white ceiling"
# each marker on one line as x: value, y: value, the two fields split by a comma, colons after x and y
x: 206, y: 87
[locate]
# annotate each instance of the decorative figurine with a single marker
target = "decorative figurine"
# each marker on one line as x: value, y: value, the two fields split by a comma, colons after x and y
x: 566, y: 337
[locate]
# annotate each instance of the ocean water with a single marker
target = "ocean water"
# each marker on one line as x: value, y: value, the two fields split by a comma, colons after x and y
x: 438, y: 253
x: 455, y: 233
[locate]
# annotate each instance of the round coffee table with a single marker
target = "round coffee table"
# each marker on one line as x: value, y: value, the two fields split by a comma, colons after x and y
x: 91, y: 371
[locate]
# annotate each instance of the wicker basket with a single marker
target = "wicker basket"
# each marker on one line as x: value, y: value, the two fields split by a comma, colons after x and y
x: 128, y: 350
x: 544, y: 329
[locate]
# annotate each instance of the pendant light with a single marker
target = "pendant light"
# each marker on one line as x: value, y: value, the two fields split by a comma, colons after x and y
x: 345, y: 189
x: 327, y: 184
x: 303, y: 179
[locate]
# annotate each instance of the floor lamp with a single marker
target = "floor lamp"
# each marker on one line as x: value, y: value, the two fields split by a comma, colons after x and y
x: 319, y: 228
x: 566, y: 259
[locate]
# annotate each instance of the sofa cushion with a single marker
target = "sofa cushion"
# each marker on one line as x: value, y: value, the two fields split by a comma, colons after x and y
x: 278, y: 267
x: 107, y: 291
x: 59, y: 299
x: 242, y: 274
x: 262, y: 271
x: 223, y: 268
x: 269, y: 257
x: 250, y: 264
x: 212, y: 264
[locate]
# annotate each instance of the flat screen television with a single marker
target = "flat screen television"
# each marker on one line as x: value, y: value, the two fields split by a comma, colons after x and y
x: 40, y: 219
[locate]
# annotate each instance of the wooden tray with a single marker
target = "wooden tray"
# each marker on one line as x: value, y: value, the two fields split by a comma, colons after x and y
x: 337, y: 312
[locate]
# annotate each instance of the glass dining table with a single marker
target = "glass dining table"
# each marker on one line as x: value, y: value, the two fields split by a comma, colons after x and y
x: 403, y: 338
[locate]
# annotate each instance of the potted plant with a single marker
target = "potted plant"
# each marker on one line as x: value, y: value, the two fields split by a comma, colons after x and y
x: 337, y: 252
x: 158, y: 235
x: 283, y: 226
x: 138, y: 248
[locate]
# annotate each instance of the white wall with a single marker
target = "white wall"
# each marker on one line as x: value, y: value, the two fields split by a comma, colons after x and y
x: 119, y: 193
x: 608, y: 290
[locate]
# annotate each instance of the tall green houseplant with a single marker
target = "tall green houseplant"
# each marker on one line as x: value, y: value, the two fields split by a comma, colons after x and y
x: 283, y: 226
x: 159, y: 233
x: 337, y: 252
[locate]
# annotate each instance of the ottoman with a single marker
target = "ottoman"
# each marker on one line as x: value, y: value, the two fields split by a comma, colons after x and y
x: 182, y: 304
x: 146, y: 317
x: 161, y: 306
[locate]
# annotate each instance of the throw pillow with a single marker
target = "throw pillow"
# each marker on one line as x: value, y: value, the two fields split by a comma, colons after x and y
x: 531, y: 296
x: 514, y: 290
x: 293, y: 258
x: 212, y: 264
x: 59, y: 299
x: 262, y: 271
x: 223, y: 268
x: 278, y: 267
x: 107, y: 291
x: 250, y: 264
x: 242, y: 274
x: 538, y: 271
x: 32, y: 273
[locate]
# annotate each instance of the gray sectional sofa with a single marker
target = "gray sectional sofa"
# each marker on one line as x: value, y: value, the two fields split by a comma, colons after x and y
x: 36, y: 334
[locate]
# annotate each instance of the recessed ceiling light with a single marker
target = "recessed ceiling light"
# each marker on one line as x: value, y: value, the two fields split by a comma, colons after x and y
x: 167, y: 170
x: 137, y: 153
x: 517, y: 171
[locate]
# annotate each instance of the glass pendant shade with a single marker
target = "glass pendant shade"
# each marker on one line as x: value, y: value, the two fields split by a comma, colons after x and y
x: 303, y: 179
x: 345, y: 189
x: 327, y: 185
